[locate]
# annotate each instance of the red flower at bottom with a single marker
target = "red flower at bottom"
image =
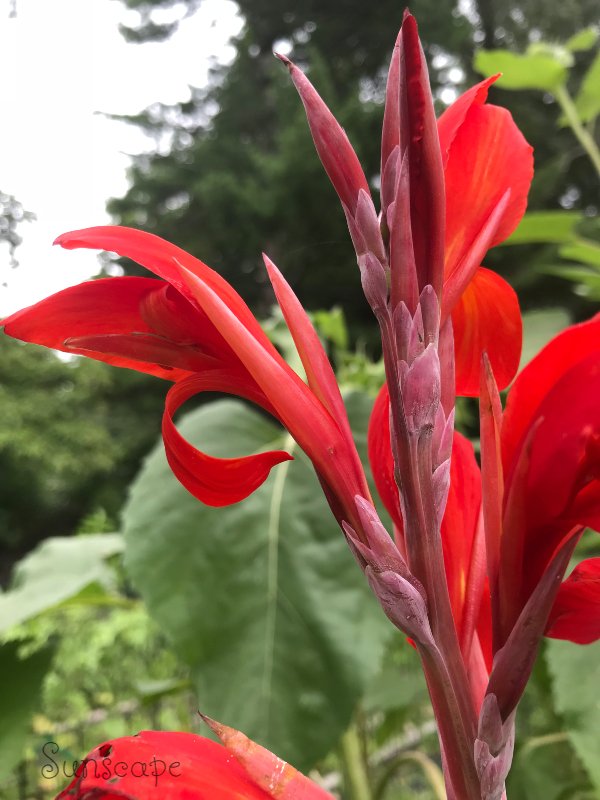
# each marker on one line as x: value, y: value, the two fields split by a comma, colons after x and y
x: 183, y: 766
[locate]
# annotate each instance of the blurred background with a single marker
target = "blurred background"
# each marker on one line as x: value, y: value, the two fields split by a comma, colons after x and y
x: 174, y: 117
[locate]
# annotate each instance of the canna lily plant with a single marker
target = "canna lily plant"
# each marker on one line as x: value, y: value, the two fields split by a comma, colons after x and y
x: 474, y: 569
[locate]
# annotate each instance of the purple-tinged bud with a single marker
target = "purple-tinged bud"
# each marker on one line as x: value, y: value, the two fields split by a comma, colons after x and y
x: 389, y: 179
x: 333, y: 146
x: 402, y: 322
x: 416, y: 342
x: 493, y: 749
x: 441, y: 487
x: 403, y: 269
x: 402, y: 603
x: 443, y: 433
x: 420, y: 387
x: 360, y: 246
x: 430, y: 313
x: 367, y: 223
x: 400, y: 594
x: 374, y: 282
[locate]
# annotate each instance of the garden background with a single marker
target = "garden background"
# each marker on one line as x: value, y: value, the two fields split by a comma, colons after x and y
x: 125, y: 604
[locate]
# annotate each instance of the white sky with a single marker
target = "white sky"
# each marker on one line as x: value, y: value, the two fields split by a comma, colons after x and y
x: 66, y: 60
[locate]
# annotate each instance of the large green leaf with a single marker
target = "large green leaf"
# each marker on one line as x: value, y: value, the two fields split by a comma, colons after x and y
x: 545, y: 226
x: 531, y: 71
x: 575, y: 674
x: 262, y: 599
x: 54, y: 572
x: 20, y: 686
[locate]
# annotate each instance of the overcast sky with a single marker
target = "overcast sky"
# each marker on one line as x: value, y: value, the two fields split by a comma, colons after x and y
x: 66, y: 61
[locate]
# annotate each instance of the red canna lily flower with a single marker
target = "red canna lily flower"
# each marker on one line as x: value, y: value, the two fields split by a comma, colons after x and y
x: 183, y: 766
x: 194, y: 329
x: 550, y: 439
x: 488, y: 167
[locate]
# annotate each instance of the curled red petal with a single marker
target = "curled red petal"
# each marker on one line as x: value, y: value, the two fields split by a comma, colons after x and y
x: 215, y: 481
x: 575, y: 615
x: 177, y: 766
x: 296, y: 406
x: 164, y: 258
x: 486, y: 155
x: 95, y: 310
x: 486, y: 319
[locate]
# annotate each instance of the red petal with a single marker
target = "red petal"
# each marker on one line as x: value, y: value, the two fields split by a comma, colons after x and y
x: 453, y: 117
x: 163, y: 258
x: 492, y: 476
x: 319, y: 372
x: 459, y: 527
x: 562, y: 462
x: 109, y: 307
x: 486, y: 319
x: 320, y: 375
x: 215, y: 481
x: 277, y: 777
x: 486, y: 155
x: 380, y: 456
x: 537, y: 378
x: 177, y: 766
x: 575, y: 615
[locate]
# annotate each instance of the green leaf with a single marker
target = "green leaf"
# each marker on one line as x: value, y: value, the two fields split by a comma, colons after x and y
x: 587, y: 100
x: 588, y: 280
x: 583, y: 40
x: 575, y: 672
x: 546, y: 227
x: 582, y: 250
x: 532, y: 71
x: 538, y: 328
x: 20, y: 686
x: 261, y: 599
x: 57, y: 570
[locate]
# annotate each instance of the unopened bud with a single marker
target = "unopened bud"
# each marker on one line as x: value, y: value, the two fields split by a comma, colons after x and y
x: 367, y: 223
x: 493, y: 749
x: 441, y: 486
x: 421, y: 391
x: 402, y: 603
x: 374, y: 281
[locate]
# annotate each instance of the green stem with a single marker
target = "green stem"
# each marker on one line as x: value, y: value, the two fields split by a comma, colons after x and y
x: 583, y: 135
x: 432, y: 773
x: 355, y: 770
